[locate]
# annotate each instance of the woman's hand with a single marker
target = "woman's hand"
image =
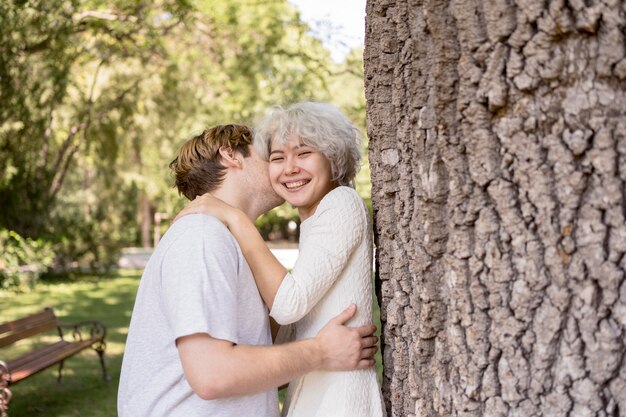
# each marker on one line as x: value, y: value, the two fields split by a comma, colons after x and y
x: 213, y: 206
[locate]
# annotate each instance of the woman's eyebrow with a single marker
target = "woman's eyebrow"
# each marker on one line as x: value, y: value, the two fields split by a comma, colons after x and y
x: 298, y: 146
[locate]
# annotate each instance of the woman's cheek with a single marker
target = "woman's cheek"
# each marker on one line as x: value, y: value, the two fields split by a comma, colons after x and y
x: 274, y: 180
x: 277, y: 188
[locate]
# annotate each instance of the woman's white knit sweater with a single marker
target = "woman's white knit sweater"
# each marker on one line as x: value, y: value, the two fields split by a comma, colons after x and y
x: 333, y: 270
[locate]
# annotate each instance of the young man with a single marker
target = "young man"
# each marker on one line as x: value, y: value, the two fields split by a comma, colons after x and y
x: 199, y: 341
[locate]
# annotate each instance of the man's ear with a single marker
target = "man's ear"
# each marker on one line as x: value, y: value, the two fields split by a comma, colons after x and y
x: 229, y: 157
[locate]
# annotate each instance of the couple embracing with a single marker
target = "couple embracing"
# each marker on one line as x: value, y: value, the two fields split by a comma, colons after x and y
x: 200, y: 340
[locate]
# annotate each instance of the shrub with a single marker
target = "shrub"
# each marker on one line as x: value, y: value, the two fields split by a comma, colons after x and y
x: 22, y: 260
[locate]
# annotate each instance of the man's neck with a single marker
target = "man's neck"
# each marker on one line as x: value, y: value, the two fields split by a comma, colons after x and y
x: 235, y: 199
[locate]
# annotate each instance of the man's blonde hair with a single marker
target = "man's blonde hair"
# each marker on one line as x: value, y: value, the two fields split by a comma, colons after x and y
x: 197, y: 167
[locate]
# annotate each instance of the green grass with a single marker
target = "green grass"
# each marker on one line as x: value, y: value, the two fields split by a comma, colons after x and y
x: 83, y: 392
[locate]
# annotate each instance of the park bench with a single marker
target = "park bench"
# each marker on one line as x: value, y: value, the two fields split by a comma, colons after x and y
x: 83, y: 335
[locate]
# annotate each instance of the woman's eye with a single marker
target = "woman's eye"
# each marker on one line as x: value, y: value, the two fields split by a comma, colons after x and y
x: 276, y: 159
x: 305, y: 153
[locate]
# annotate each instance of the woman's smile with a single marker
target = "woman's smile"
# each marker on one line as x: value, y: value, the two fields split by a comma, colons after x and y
x: 295, y: 185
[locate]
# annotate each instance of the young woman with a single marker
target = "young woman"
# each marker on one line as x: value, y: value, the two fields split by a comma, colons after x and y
x: 313, y: 153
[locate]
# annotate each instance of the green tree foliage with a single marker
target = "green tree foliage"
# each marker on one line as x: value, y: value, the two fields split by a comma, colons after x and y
x: 96, y: 96
x: 23, y: 260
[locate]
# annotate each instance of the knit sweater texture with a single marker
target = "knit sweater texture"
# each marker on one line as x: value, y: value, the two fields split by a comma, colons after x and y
x: 333, y: 270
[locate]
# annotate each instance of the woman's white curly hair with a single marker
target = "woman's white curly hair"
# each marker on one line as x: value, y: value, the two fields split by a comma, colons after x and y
x: 319, y: 125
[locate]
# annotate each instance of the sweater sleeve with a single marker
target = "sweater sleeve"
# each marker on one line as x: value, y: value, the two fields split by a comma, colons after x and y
x: 339, y: 225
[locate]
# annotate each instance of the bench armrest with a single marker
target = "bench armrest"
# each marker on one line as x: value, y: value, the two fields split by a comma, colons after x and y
x: 94, y: 328
x: 4, y: 373
x: 5, y: 380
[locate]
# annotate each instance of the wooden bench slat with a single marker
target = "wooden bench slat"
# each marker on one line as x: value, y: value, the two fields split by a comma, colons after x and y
x: 39, y: 364
x: 23, y: 333
x: 31, y: 356
x: 25, y: 322
x: 44, y: 351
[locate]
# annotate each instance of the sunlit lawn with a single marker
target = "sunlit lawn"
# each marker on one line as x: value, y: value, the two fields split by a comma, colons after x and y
x: 82, y: 392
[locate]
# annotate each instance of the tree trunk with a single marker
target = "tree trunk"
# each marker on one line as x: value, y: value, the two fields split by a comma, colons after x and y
x: 145, y: 219
x: 498, y: 156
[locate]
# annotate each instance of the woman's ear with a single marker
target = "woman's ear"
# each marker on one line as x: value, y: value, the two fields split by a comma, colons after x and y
x: 229, y: 157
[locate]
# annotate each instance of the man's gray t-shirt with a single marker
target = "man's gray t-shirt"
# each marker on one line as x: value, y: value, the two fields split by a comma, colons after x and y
x: 197, y: 281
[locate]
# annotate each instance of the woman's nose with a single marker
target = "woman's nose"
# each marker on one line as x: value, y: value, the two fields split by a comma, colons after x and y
x: 291, y: 167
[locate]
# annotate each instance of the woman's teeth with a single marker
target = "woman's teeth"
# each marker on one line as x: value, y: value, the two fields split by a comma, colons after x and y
x: 295, y: 184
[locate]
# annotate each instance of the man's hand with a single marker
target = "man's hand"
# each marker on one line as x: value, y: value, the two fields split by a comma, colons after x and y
x: 345, y: 348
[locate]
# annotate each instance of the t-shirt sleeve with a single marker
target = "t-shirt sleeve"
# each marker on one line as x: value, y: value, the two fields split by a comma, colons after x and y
x: 340, y: 224
x: 199, y: 280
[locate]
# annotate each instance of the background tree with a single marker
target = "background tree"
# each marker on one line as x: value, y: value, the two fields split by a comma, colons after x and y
x: 498, y: 155
x: 96, y: 96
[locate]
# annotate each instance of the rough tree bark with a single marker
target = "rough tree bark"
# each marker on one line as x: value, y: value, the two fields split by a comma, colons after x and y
x: 498, y: 156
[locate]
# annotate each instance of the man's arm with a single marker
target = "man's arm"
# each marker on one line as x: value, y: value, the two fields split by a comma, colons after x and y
x: 218, y: 368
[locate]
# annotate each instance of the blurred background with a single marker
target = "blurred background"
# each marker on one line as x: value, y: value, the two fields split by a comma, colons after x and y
x: 97, y: 96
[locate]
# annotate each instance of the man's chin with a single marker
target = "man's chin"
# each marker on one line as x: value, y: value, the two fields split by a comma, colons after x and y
x: 272, y: 204
x: 279, y: 202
